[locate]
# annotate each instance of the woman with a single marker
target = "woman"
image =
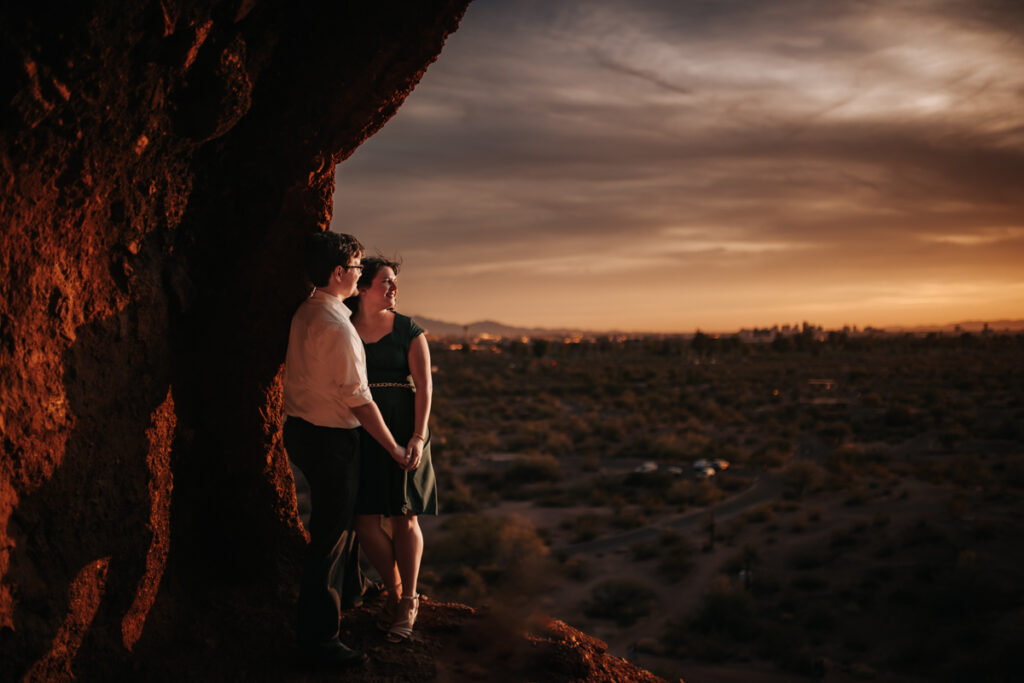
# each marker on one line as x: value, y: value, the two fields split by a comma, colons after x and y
x: 396, y: 351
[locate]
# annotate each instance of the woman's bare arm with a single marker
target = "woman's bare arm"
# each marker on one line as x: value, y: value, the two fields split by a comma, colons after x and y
x: 419, y: 368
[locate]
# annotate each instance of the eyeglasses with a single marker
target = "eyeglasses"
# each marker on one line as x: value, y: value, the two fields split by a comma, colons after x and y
x: 359, y: 268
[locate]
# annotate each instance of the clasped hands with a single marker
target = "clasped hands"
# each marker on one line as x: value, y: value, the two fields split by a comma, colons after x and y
x: 409, y: 458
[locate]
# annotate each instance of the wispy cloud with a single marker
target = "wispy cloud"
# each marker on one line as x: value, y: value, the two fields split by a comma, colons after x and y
x: 600, y: 145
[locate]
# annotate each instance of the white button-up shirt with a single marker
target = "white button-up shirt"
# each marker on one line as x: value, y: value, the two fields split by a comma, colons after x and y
x: 325, y: 367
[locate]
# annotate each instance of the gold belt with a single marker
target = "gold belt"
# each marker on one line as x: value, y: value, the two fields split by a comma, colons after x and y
x: 400, y: 385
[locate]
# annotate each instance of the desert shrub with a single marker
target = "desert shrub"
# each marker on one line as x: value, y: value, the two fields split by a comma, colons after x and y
x: 465, y: 585
x: 968, y: 471
x: 1008, y: 429
x: 726, y: 610
x: 707, y: 493
x: 552, y: 496
x: 558, y: 442
x: 871, y: 400
x: 667, y: 447
x: 844, y: 460
x: 898, y: 417
x: 652, y: 503
x: 807, y: 559
x: 1013, y: 473
x: 801, y: 477
x: 458, y: 497
x: 682, y: 446
x: 856, y: 495
x: 732, y: 482
x: 820, y: 618
x: 585, y: 527
x: 576, y: 428
x: 577, y: 568
x: 744, y: 560
x: 610, y: 429
x: 622, y: 600
x: 644, y: 551
x: 624, y: 518
x: 675, y: 564
x: 485, y: 442
x: 810, y: 582
x: 504, y: 550
x: 534, y: 468
x: 674, y: 552
x: 762, y: 584
x: 952, y: 435
x: 773, y: 453
x: 843, y: 538
x: 835, y: 432
x: 762, y: 513
x: 683, y: 492
x: 659, y: 480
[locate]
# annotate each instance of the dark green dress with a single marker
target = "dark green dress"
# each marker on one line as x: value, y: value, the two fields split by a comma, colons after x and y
x: 384, y: 487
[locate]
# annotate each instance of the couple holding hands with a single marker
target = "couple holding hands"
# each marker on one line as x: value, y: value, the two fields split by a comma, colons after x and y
x: 357, y: 428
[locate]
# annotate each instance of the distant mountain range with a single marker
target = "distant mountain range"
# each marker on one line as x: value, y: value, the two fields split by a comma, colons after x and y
x: 441, y: 328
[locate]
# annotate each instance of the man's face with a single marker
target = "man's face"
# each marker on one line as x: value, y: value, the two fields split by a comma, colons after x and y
x: 350, y: 276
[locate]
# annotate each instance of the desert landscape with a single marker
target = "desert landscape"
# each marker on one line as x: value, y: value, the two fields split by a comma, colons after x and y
x: 859, y: 520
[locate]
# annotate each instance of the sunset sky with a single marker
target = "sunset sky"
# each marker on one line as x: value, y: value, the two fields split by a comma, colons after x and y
x: 666, y: 166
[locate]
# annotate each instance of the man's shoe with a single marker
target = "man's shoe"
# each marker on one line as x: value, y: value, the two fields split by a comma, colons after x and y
x: 334, y: 653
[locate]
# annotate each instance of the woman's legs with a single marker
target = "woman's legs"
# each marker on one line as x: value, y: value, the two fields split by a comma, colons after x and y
x: 408, y: 540
x: 379, y: 549
x: 408, y: 550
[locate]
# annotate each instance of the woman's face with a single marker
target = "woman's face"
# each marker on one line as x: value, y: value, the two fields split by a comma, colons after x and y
x: 382, y: 291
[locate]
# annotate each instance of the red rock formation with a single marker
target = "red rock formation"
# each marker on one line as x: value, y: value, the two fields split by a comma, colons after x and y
x: 159, y: 163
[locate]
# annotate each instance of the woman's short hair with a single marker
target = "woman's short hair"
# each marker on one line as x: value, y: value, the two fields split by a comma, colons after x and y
x: 373, y: 265
x: 325, y: 251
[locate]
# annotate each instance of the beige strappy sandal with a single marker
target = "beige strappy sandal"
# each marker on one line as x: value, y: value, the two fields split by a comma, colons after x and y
x: 402, y: 629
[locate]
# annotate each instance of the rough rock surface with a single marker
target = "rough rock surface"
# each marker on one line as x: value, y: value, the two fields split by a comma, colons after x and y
x: 451, y: 643
x: 160, y: 162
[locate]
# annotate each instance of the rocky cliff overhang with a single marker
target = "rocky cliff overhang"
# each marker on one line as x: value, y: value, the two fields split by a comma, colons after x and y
x: 160, y: 163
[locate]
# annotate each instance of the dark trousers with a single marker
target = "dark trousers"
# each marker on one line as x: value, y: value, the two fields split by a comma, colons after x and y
x: 329, y: 459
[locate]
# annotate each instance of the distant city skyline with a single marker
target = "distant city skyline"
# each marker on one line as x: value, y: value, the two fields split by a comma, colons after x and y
x: 662, y: 167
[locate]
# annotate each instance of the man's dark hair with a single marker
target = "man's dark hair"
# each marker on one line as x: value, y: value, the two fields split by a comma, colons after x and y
x: 325, y: 251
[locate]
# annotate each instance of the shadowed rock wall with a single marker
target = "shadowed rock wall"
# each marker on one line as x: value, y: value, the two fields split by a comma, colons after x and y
x: 160, y: 162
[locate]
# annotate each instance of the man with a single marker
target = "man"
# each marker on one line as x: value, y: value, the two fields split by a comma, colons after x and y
x: 325, y: 399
